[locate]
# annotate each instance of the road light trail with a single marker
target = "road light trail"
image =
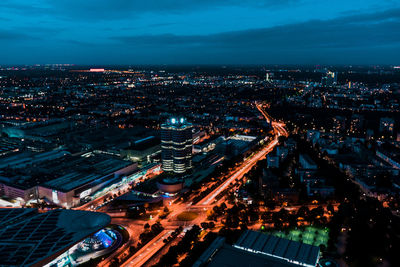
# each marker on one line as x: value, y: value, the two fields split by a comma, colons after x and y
x: 246, y: 168
x: 249, y: 163
x: 146, y: 252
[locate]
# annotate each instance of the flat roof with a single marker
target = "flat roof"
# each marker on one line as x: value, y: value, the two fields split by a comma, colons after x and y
x: 28, y: 237
x: 85, y: 170
x: 229, y: 256
x: 281, y: 248
x: 61, y: 171
x: 178, y: 124
x: 145, y: 143
x: 71, y: 180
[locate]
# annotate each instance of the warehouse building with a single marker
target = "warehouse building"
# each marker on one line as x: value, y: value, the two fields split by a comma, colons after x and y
x: 259, y: 249
x: 62, y: 179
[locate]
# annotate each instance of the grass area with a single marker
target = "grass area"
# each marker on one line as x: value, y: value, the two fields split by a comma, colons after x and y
x: 309, y: 235
x: 187, y: 216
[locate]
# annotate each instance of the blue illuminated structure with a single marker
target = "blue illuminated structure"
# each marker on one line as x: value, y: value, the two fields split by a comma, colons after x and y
x: 105, y: 238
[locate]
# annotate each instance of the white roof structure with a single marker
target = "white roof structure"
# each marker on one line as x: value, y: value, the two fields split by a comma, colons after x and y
x: 280, y: 248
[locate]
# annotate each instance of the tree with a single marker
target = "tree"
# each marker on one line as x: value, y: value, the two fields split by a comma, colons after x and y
x: 217, y: 210
x: 170, y: 258
x: 278, y: 224
x: 204, y: 225
x: 253, y: 216
x: 223, y: 206
x: 147, y: 226
x: 281, y: 139
x: 330, y: 208
x: 283, y: 214
x: 132, y: 249
x: 292, y: 221
x: 232, y: 221
x: 115, y: 262
x: 157, y: 227
x: 303, y: 212
x: 271, y: 204
x: 317, y: 213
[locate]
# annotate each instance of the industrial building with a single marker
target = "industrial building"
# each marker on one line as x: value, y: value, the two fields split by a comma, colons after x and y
x: 142, y: 150
x: 62, y: 179
x: 37, y: 131
x: 259, y: 249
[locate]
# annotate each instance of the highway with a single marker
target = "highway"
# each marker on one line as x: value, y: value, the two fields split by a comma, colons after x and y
x: 249, y: 163
x: 148, y: 250
x: 245, y: 168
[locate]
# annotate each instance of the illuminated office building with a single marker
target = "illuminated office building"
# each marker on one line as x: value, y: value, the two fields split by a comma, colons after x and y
x: 176, y: 145
x: 386, y: 125
x: 330, y: 79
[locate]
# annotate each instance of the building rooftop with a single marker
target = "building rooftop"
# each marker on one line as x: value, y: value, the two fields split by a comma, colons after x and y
x: 80, y: 170
x: 28, y: 237
x: 60, y: 170
x: 145, y: 143
x: 9, y: 145
x: 176, y: 123
x: 278, y: 248
x: 25, y: 158
x: 230, y: 256
x: 259, y: 249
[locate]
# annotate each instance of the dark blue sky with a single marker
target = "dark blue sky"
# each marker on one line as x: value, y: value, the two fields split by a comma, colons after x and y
x: 200, y: 32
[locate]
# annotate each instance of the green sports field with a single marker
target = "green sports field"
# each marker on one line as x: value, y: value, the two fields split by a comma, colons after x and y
x: 309, y: 235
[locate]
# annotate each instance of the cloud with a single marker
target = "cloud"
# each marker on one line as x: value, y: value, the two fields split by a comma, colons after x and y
x: 24, y: 8
x: 359, y: 30
x: 354, y: 38
x: 156, y: 5
x: 6, y: 35
x: 118, y: 9
x: 358, y: 35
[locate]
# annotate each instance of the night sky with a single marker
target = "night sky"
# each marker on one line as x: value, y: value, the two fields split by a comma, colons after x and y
x: 200, y: 32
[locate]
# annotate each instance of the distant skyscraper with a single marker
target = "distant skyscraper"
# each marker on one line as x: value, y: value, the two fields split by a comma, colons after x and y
x: 339, y: 123
x: 356, y: 123
x: 268, y: 77
x: 386, y: 125
x: 329, y: 79
x: 176, y: 144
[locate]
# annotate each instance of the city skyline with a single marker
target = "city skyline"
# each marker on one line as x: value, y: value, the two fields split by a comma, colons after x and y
x: 199, y: 133
x: 173, y: 165
x: 193, y: 32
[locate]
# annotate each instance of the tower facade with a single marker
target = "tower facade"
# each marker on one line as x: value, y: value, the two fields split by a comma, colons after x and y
x: 176, y: 145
